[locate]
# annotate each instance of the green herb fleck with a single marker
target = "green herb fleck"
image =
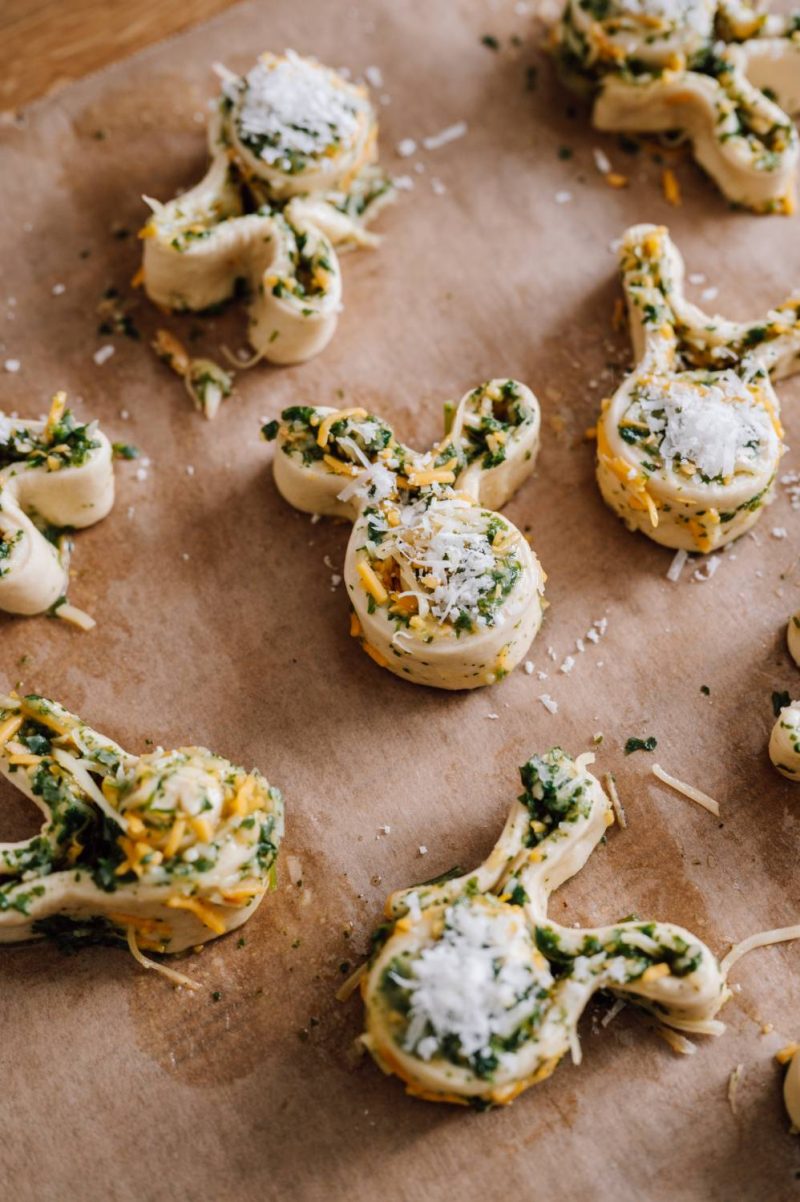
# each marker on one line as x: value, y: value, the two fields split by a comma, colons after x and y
x: 124, y: 450
x: 633, y: 744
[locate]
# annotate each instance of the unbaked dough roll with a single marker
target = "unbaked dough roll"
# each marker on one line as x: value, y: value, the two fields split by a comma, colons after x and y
x: 292, y: 174
x: 793, y: 637
x: 784, y: 742
x: 472, y: 995
x: 60, y: 472
x: 791, y: 1091
x: 660, y: 65
x: 689, y: 445
x: 168, y: 850
x: 446, y: 592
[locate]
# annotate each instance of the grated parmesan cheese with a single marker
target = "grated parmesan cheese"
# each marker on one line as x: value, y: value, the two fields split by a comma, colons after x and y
x: 450, y: 134
x: 716, y: 427
x: 601, y: 161
x: 706, y: 569
x: 478, y: 981
x: 446, y: 559
x: 677, y: 565
x: 293, y: 107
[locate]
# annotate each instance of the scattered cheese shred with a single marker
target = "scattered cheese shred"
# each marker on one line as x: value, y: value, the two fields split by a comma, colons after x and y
x: 733, y: 1085
x: 612, y: 1013
x: 348, y: 988
x: 677, y: 565
x: 689, y: 791
x: 788, y: 1053
x: 610, y: 786
x: 338, y: 415
x: 679, y: 1043
x: 9, y: 728
x: 76, y: 617
x: 371, y: 582
x: 201, y: 910
x: 761, y: 939
x: 671, y: 187
x: 177, y: 978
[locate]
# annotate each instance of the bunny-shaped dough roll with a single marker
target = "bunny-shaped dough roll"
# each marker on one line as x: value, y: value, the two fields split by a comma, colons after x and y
x: 445, y: 591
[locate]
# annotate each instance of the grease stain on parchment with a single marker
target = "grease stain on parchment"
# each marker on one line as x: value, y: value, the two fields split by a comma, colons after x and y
x: 254, y: 996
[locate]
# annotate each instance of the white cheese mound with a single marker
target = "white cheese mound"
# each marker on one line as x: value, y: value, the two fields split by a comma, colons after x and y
x: 445, y: 558
x: 676, y: 14
x: 298, y: 106
x: 477, y: 981
x: 718, y: 427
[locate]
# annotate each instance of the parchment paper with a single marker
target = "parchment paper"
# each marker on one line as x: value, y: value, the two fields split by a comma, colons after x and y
x: 218, y: 624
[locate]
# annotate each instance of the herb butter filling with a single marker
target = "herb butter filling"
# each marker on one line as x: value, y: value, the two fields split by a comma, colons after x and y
x: 63, y: 442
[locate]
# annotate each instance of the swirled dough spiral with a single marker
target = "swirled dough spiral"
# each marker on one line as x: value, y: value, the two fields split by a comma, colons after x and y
x: 473, y: 994
x: 172, y: 848
x: 54, y: 473
x: 697, y: 66
x: 293, y: 173
x: 689, y: 445
x: 445, y: 591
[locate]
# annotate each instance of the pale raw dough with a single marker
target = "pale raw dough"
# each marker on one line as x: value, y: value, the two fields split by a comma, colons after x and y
x: 784, y: 742
x: 445, y: 591
x: 793, y: 637
x: 791, y: 1091
x: 475, y: 994
x: 60, y: 471
x: 656, y: 66
x: 689, y: 445
x: 171, y: 848
x: 273, y: 204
